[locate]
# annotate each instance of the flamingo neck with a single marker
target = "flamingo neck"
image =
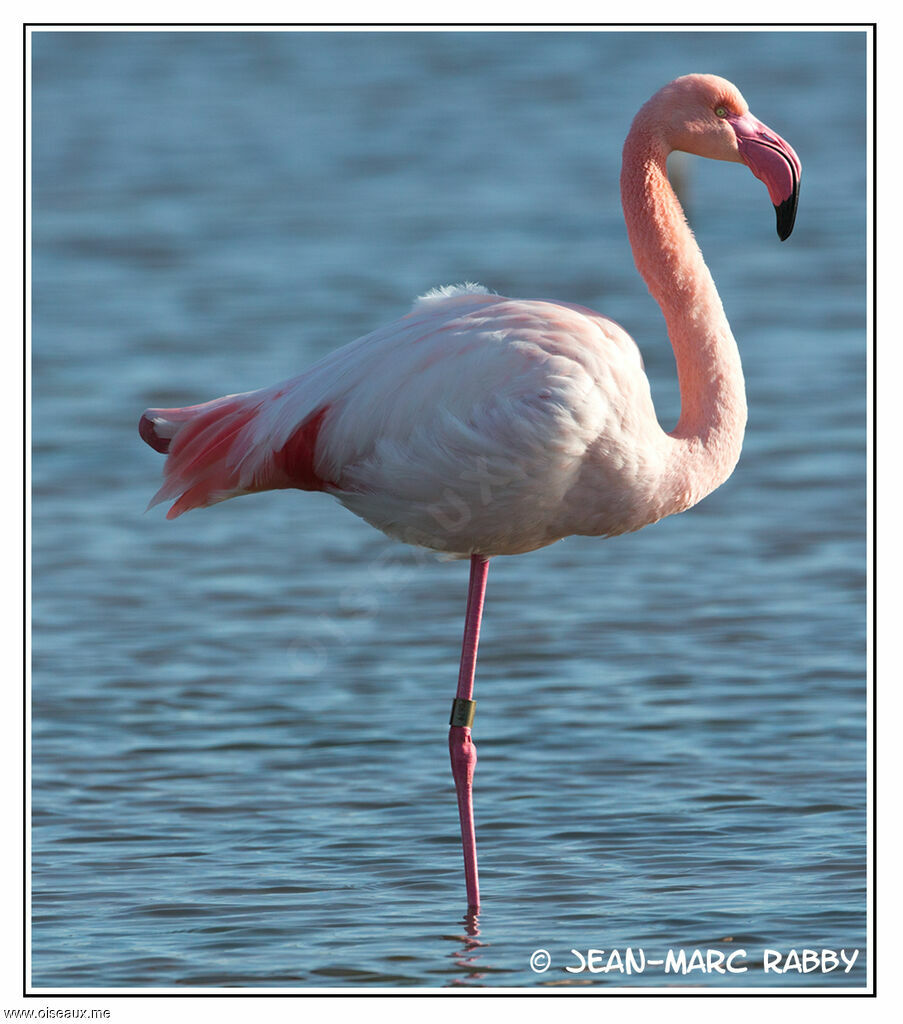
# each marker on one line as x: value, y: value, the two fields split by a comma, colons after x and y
x: 709, y: 434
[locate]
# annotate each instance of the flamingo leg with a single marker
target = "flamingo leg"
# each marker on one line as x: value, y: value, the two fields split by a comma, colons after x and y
x: 460, y: 743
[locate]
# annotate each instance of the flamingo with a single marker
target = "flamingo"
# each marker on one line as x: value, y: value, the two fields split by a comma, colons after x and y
x: 479, y: 425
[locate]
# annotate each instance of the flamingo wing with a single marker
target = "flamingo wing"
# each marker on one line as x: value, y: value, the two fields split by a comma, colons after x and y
x: 459, y: 427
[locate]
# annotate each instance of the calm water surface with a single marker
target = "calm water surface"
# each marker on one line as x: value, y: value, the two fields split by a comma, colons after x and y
x: 240, y: 771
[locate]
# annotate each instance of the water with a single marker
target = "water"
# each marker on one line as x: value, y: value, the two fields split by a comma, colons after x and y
x: 240, y: 775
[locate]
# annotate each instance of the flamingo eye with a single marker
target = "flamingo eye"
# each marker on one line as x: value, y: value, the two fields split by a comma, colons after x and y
x: 721, y: 111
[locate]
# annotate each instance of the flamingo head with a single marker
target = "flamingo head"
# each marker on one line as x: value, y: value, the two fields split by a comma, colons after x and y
x: 707, y: 115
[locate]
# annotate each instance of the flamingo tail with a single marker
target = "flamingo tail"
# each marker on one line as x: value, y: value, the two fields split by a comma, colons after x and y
x: 213, y: 454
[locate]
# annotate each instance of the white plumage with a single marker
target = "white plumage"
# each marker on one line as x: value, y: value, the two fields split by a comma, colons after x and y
x: 476, y: 423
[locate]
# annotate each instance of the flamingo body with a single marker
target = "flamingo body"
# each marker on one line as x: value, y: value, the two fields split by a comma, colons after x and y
x: 480, y: 425
x: 475, y: 423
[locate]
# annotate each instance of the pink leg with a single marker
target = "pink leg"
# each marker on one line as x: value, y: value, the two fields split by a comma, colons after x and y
x: 461, y: 746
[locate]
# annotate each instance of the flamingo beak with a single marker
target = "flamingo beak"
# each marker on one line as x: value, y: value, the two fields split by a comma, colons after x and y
x: 773, y: 161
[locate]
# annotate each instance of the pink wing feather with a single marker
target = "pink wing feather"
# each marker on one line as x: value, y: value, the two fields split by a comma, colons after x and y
x: 209, y: 447
x: 267, y: 439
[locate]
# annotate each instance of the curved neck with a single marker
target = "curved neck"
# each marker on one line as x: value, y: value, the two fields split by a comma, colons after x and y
x: 709, y: 433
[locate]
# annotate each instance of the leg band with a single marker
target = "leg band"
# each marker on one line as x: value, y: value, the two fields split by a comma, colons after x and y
x: 462, y: 712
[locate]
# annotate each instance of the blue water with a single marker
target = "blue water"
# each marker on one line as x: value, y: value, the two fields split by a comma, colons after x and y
x: 240, y: 771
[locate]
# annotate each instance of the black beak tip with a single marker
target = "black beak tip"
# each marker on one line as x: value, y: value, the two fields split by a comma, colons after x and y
x: 786, y: 215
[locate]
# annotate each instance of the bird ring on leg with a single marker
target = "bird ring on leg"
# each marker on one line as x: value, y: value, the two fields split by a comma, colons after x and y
x: 462, y: 712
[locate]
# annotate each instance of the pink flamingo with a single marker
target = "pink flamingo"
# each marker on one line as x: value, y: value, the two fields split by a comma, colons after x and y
x: 479, y: 425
